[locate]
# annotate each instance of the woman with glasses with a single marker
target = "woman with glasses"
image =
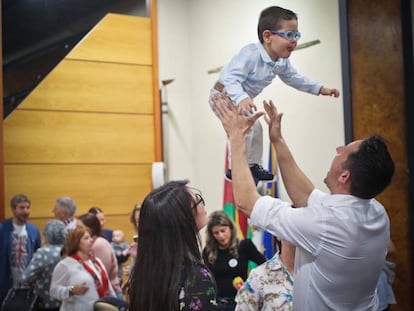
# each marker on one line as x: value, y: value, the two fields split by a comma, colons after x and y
x: 169, y: 273
x: 227, y: 257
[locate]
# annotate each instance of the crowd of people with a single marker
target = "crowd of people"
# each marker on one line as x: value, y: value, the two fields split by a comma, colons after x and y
x: 74, y: 267
x: 332, y: 246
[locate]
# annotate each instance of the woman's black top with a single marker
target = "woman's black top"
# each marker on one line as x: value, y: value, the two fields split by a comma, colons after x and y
x: 226, y: 267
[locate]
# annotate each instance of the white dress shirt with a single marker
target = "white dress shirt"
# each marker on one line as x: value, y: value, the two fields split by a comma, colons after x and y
x: 341, y: 246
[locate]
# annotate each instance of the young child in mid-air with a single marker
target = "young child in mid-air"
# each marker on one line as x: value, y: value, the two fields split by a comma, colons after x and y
x: 121, y: 248
x: 254, y: 68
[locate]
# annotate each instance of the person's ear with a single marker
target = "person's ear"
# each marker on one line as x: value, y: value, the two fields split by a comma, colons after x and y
x: 344, y: 177
x: 266, y: 36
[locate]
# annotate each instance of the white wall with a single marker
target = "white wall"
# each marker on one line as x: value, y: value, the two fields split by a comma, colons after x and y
x: 198, y: 35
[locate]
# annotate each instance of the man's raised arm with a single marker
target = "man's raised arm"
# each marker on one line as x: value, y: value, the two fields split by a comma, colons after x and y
x: 297, y: 185
x: 236, y: 126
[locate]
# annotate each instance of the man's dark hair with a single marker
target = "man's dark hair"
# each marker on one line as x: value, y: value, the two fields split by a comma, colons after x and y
x: 18, y: 198
x: 371, y: 168
x: 271, y: 17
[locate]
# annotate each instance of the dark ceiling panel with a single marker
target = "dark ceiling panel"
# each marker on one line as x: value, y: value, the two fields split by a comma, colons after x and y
x: 37, y: 35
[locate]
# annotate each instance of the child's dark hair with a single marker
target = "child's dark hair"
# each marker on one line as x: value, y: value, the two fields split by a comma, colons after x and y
x: 271, y: 17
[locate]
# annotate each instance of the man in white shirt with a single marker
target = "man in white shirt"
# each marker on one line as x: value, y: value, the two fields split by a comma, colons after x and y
x: 341, y: 237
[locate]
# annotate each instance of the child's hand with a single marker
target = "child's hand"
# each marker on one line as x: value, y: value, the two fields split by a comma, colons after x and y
x: 329, y: 92
x: 247, y: 107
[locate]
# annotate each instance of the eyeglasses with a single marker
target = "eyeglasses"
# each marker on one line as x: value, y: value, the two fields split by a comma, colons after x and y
x: 199, y: 199
x: 288, y: 35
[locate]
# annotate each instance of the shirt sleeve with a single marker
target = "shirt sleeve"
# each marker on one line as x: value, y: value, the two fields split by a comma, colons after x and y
x: 199, y: 291
x: 249, y: 297
x: 301, y: 227
x: 316, y: 197
x: 253, y: 253
x: 291, y: 77
x: 235, y: 73
x: 59, y: 285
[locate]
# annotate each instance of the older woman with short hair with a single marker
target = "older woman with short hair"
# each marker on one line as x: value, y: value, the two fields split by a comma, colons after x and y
x: 41, y: 266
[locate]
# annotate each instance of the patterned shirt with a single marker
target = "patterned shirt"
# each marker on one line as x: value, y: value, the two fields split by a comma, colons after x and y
x: 252, y: 69
x: 40, y: 271
x: 19, y: 256
x: 198, y: 290
x: 268, y: 288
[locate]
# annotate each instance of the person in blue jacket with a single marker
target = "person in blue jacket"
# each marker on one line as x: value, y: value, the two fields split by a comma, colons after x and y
x: 19, y: 239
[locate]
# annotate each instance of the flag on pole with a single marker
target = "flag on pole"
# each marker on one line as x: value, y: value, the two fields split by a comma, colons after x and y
x: 271, y: 190
x: 243, y: 230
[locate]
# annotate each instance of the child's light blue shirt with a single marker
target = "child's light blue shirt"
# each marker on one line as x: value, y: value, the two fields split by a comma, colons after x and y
x: 251, y: 70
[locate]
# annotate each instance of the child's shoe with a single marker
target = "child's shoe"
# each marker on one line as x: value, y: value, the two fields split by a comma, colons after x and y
x: 260, y: 174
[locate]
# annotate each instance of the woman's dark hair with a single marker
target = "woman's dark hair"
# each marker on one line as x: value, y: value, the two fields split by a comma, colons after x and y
x: 95, y: 210
x: 371, y: 168
x: 168, y: 237
x: 220, y: 218
x: 92, y: 222
x: 271, y: 17
x: 136, y: 209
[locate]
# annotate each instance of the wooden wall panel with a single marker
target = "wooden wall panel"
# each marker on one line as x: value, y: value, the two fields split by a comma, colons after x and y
x: 114, y: 188
x: 117, y: 38
x: 95, y: 86
x: 67, y: 137
x: 378, y: 107
x: 89, y: 130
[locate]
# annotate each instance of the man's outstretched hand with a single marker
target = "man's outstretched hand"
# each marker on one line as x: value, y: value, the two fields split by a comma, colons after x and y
x: 274, y: 120
x: 234, y: 122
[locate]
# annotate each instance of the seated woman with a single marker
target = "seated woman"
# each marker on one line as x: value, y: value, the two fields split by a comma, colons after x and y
x: 79, y: 279
x: 227, y: 257
x: 44, y: 261
x: 169, y: 273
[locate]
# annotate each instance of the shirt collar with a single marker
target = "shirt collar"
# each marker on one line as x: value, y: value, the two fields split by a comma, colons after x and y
x: 265, y: 56
x: 68, y: 221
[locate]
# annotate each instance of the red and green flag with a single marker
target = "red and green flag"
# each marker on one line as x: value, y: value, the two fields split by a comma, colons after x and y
x: 243, y: 230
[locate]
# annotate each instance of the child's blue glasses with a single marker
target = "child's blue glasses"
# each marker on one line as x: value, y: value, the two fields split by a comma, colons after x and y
x: 288, y: 35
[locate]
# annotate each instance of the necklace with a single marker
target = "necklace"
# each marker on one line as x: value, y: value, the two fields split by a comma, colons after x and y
x: 287, y: 274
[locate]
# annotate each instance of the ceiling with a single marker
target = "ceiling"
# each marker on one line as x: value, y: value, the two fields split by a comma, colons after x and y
x: 38, y: 34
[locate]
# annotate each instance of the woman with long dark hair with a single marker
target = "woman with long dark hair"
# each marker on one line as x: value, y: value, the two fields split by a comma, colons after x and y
x: 227, y: 257
x: 169, y: 273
